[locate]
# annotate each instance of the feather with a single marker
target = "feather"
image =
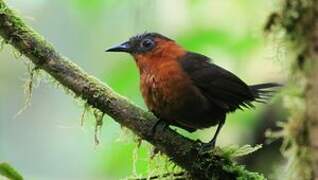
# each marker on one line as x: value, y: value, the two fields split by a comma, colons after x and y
x: 221, y: 87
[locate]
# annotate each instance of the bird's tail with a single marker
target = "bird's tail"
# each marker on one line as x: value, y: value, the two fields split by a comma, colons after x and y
x: 263, y: 92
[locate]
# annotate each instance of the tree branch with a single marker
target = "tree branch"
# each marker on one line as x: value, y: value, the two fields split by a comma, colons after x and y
x: 181, y: 150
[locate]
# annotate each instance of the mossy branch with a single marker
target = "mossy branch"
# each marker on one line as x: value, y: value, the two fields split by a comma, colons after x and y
x: 181, y: 150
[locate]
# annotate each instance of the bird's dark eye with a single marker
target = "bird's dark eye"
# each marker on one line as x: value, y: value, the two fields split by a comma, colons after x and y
x: 147, y: 44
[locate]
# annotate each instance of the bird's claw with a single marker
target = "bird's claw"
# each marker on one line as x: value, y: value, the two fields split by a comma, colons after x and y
x: 207, y: 148
x: 159, y: 125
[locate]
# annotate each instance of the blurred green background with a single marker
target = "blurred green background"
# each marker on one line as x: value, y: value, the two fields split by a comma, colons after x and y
x: 47, y: 141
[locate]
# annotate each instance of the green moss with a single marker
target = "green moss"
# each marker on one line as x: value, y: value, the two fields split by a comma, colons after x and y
x: 29, y: 85
x: 16, y: 54
x: 98, y: 125
x: 59, y: 85
x: 295, y: 147
x: 2, y: 43
x: 242, y: 173
x: 161, y: 167
x: 83, y: 114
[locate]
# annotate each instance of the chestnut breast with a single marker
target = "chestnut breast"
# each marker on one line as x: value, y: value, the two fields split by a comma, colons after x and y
x: 168, y: 91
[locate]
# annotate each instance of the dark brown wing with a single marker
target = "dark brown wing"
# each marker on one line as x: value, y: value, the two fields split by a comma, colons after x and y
x: 221, y: 87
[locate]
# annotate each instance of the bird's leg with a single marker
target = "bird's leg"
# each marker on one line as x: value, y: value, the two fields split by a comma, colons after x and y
x: 207, y: 147
x: 159, y: 124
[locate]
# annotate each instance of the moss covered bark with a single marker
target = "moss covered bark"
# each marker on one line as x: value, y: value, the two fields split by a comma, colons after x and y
x: 182, y: 151
x: 297, y: 20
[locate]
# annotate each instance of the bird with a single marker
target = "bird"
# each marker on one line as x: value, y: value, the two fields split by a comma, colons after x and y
x: 186, y: 89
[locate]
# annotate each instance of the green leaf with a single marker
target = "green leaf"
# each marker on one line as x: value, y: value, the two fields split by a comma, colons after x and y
x: 7, y: 171
x: 238, y: 151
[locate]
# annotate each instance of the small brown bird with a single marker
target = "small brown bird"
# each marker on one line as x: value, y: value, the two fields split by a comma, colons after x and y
x: 185, y: 89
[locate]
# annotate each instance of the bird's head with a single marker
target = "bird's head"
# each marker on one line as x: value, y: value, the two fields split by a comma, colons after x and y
x: 149, y: 47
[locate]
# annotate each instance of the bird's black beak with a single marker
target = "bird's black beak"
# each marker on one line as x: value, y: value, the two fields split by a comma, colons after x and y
x: 124, y: 47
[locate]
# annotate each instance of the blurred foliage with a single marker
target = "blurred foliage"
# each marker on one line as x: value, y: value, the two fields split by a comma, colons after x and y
x: 91, y: 5
x: 91, y: 8
x: 237, y: 47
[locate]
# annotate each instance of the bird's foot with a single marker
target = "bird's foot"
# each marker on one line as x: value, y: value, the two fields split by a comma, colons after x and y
x: 207, y: 147
x: 159, y: 125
